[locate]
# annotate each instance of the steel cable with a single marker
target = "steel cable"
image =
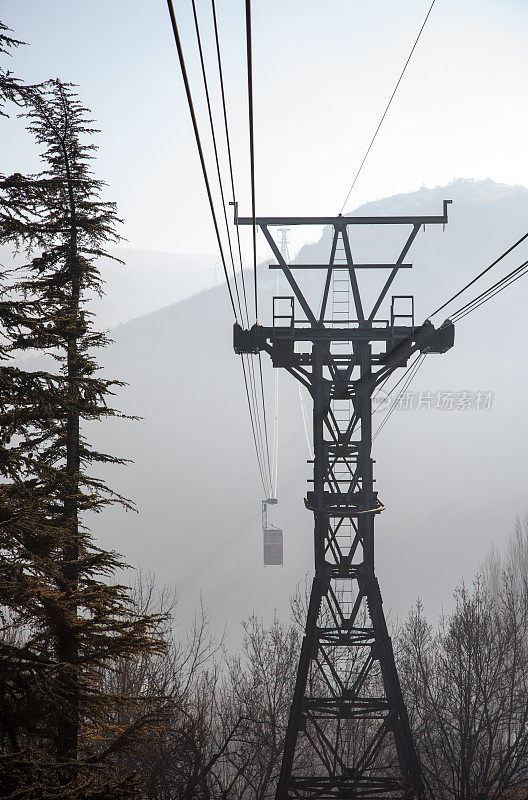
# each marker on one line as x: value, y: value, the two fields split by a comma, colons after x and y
x: 254, y: 416
x: 256, y: 410
x: 411, y: 372
x: 387, y: 106
x: 228, y: 141
x: 251, y: 365
x: 199, y: 146
x: 259, y: 462
x: 251, y: 145
x: 484, y: 271
x: 265, y: 419
x: 376, y: 411
x: 498, y: 287
x: 249, y: 52
x: 215, y: 148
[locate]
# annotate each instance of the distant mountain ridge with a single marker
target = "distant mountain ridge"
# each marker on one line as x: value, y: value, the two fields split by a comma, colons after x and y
x: 452, y: 481
x: 147, y: 281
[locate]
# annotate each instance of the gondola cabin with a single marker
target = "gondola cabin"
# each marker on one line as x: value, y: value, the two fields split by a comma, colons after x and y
x: 272, y: 547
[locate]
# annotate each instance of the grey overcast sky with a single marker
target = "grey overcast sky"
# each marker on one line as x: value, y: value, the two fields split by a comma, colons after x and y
x: 323, y: 74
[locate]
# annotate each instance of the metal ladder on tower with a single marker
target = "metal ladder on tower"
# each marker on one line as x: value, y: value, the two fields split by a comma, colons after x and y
x: 341, y: 318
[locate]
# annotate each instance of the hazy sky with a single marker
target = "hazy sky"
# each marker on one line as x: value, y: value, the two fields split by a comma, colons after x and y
x: 323, y: 73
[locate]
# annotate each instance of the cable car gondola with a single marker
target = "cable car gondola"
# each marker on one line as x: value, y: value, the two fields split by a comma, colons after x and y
x: 271, y: 538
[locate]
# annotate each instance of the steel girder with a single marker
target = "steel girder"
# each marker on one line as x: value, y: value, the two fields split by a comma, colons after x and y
x: 348, y: 734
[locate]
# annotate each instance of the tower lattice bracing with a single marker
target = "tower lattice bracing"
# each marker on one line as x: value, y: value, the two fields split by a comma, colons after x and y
x: 348, y: 734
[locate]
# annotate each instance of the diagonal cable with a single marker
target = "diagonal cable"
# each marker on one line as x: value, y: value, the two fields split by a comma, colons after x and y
x: 228, y: 141
x: 215, y: 148
x: 213, y: 214
x: 499, y: 286
x: 411, y: 372
x: 477, y: 277
x: 253, y: 428
x: 369, y: 148
x: 199, y: 145
x: 251, y: 145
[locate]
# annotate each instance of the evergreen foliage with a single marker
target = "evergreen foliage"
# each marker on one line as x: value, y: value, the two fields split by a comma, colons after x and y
x: 9, y: 85
x: 64, y: 621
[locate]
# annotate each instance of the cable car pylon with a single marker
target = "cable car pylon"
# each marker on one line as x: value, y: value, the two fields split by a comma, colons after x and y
x: 348, y: 733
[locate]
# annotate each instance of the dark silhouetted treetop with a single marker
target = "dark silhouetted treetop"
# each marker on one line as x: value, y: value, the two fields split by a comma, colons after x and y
x: 9, y: 84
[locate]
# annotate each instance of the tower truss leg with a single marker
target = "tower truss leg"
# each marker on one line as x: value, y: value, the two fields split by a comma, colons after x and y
x: 348, y: 733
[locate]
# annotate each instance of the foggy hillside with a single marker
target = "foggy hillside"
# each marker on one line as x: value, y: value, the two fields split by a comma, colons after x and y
x: 150, y: 280
x: 452, y: 481
x: 146, y: 282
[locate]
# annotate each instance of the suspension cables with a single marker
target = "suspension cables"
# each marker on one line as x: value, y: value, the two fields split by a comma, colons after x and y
x: 257, y: 433
x: 199, y: 145
x: 487, y: 294
x: 264, y: 450
x: 251, y: 145
x: 369, y: 148
x: 249, y: 52
x: 270, y: 469
x: 254, y: 393
x: 484, y: 271
x: 409, y: 374
x: 215, y: 149
x: 228, y: 142
x: 511, y: 277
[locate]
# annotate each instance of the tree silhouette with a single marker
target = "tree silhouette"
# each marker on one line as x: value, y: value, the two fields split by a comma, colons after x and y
x: 64, y: 618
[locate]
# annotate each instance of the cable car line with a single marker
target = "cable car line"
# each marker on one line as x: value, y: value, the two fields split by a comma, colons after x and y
x: 199, y: 145
x: 411, y: 372
x: 507, y: 280
x: 254, y: 416
x: 228, y: 142
x: 261, y: 470
x: 503, y: 283
x: 265, y: 450
x: 305, y: 423
x: 402, y: 378
x: 275, y: 450
x: 265, y: 421
x: 251, y: 145
x: 256, y: 412
x: 387, y: 107
x: 249, y: 52
x: 484, y: 271
x: 215, y: 149
x: 251, y: 366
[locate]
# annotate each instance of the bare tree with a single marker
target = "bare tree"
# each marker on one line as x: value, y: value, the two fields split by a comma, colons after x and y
x: 179, y: 752
x: 253, y: 709
x: 467, y: 685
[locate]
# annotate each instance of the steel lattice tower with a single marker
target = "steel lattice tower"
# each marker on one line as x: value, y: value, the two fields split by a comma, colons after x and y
x: 348, y: 734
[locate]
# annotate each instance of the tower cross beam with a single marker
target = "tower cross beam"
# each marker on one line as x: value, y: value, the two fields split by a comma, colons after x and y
x: 345, y: 221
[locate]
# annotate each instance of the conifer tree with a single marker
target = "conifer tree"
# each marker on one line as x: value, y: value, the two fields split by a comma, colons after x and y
x: 9, y: 84
x: 64, y: 619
